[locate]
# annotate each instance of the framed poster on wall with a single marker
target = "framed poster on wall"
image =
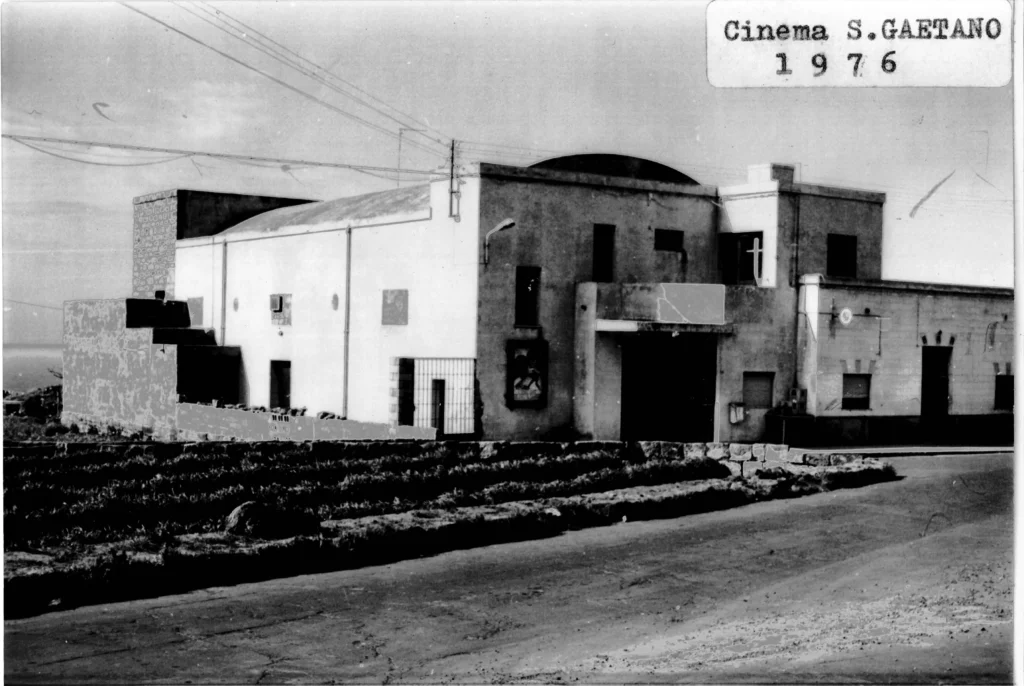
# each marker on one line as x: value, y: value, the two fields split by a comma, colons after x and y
x: 526, y: 373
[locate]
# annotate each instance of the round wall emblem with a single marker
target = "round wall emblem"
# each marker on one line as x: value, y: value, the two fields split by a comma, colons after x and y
x: 845, y: 316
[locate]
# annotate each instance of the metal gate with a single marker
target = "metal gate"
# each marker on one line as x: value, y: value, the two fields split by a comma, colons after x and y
x: 438, y: 392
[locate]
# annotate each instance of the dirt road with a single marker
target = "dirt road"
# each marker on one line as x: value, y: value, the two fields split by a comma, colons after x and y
x: 907, y: 581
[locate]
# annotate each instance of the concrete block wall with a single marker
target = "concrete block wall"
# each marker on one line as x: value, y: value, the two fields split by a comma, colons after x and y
x: 555, y: 213
x: 114, y: 375
x: 891, y: 324
x: 763, y: 342
x: 204, y: 422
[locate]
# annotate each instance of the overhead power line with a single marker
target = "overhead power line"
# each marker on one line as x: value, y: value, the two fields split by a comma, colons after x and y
x: 280, y: 52
x: 215, y: 155
x: 22, y: 302
x: 285, y: 84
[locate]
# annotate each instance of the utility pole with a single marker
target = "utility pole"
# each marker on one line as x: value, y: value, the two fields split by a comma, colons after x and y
x: 452, y: 188
x: 398, y: 174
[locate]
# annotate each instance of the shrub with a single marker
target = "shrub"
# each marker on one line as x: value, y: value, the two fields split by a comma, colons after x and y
x: 54, y: 428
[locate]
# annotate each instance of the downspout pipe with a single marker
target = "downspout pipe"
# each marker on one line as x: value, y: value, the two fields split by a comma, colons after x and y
x: 795, y: 280
x: 348, y: 319
x: 223, y: 291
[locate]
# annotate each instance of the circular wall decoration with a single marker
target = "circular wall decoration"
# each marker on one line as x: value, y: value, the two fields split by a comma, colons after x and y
x: 845, y: 316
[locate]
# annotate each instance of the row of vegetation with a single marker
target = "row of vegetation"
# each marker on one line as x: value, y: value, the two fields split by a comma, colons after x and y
x: 82, y: 497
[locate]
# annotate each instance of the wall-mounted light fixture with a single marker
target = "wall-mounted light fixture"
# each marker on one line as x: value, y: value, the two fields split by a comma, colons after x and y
x: 500, y: 226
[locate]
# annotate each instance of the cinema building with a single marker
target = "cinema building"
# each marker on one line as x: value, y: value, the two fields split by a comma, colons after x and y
x: 590, y: 296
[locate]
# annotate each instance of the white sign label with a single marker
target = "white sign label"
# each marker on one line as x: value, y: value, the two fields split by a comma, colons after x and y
x: 771, y: 43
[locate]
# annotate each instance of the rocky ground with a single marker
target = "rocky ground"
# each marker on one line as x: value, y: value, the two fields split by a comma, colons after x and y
x: 35, y: 416
x: 907, y: 581
x: 67, y: 576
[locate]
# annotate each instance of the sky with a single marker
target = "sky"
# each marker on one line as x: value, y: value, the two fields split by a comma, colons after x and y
x: 513, y: 83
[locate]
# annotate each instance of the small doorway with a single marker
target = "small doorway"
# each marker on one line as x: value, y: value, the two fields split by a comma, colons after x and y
x: 280, y: 384
x: 935, y: 381
x: 406, y: 388
x: 437, y: 406
x: 668, y: 387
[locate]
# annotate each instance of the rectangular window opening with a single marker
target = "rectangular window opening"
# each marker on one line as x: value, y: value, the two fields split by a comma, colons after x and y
x: 1004, y: 392
x: 604, y: 253
x: 741, y: 257
x: 856, y: 391
x: 668, y: 239
x: 195, y: 312
x: 527, y: 296
x: 841, y: 259
x: 758, y: 389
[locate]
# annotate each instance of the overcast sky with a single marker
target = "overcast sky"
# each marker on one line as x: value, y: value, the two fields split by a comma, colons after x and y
x: 520, y: 81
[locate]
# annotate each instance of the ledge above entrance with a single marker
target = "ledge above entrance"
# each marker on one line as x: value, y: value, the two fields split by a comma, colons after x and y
x: 630, y: 326
x: 665, y: 303
x: 606, y: 315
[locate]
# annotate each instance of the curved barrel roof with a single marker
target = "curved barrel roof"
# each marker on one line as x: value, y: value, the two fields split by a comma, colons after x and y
x: 616, y: 165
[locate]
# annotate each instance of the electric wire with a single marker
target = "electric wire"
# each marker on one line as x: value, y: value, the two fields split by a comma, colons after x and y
x: 284, y: 84
x: 99, y: 164
x: 312, y: 75
x: 276, y: 50
x: 218, y: 155
x: 40, y: 305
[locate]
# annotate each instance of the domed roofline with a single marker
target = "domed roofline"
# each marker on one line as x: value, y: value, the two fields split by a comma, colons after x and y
x: 623, y: 166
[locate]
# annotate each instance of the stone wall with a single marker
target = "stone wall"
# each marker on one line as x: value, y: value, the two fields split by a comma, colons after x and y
x: 204, y: 422
x: 115, y: 375
x: 741, y: 458
x: 153, y: 235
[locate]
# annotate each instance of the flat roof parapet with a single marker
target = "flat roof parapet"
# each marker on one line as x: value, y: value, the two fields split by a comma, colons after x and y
x: 907, y: 286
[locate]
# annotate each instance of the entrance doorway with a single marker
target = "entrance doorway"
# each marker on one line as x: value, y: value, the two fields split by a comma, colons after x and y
x: 935, y: 381
x: 668, y: 387
x: 280, y: 384
x: 437, y: 406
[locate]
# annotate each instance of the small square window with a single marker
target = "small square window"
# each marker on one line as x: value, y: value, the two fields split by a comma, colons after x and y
x: 276, y: 303
x: 668, y: 239
x: 1004, y: 392
x: 856, y: 391
x: 757, y: 389
x: 841, y: 259
x: 395, y: 308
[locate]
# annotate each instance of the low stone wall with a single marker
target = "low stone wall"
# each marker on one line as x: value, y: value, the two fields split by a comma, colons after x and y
x: 205, y: 422
x: 740, y: 458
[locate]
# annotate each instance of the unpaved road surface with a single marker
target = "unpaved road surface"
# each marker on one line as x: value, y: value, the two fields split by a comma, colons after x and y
x: 908, y: 581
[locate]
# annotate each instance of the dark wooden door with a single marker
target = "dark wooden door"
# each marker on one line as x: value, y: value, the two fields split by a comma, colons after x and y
x: 668, y: 387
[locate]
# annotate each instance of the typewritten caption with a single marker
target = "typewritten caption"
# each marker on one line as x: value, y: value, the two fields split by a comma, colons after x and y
x: 842, y: 43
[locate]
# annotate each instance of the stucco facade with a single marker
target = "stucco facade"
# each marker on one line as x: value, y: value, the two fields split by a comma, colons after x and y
x: 596, y: 297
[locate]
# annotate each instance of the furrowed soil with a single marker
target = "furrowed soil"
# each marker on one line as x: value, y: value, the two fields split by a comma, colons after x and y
x: 907, y: 581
